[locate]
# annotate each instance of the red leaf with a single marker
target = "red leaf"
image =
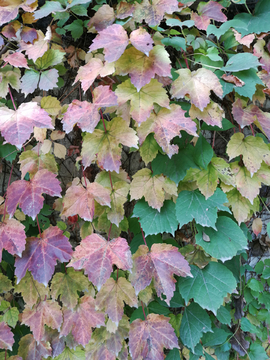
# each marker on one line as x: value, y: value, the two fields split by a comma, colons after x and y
x: 112, y: 296
x: 80, y: 321
x: 244, y: 117
x: 85, y: 114
x: 148, y: 338
x: 6, y: 336
x: 12, y: 237
x: 233, y: 80
x: 166, y: 125
x: 28, y: 193
x: 17, y: 126
x: 33, y: 350
x: 39, y: 47
x: 28, y: 34
x: 17, y: 59
x: 97, y: 255
x: 41, y: 254
x: 250, y: 114
x: 141, y: 40
x: 160, y: 263
x: 45, y: 313
x: 88, y: 73
x: 207, y: 11
x: 153, y: 11
x: 257, y: 226
x: 102, y: 18
x: 113, y: 39
x: 142, y: 68
x: 81, y: 201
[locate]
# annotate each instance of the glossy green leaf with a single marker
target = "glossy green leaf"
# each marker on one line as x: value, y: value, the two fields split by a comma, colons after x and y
x: 153, y: 221
x: 225, y: 242
x: 194, y: 323
x: 193, y: 205
x: 209, y: 285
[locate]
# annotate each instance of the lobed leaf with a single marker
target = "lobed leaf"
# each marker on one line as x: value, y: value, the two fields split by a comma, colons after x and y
x: 112, y: 296
x: 148, y: 338
x: 17, y: 126
x: 209, y: 286
x: 27, y: 194
x: 161, y: 263
x: 41, y: 254
x: 81, y: 321
x: 97, y: 256
x: 47, y: 312
x: 12, y: 237
x: 113, y: 39
x: 80, y: 200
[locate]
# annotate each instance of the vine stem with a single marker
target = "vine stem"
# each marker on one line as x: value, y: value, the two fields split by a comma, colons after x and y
x: 70, y: 92
x: 142, y: 233
x: 12, y: 99
x: 109, y: 233
x: 184, y: 56
x: 38, y: 226
x: 9, y: 179
x: 111, y: 180
x: 143, y: 310
x: 84, y: 176
x: 252, y: 130
x: 103, y: 122
x: 213, y: 143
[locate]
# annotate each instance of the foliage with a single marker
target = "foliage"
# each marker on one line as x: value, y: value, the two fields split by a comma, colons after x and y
x: 158, y: 109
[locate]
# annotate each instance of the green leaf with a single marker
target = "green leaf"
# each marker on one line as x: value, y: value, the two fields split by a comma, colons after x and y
x: 256, y: 351
x: 8, y: 152
x: 226, y: 125
x: 62, y: 18
x: 174, y: 354
x: 209, y: 285
x: 138, y: 314
x: 71, y: 354
x: 156, y: 308
x: 234, y: 23
x: 257, y: 23
x: 5, y: 284
x: 79, y: 10
x: 176, y: 301
x: 11, y: 316
x: 224, y: 243
x: 176, y: 22
x: 76, y: 28
x: 50, y: 58
x: 255, y: 285
x: 153, y: 221
x: 176, y: 42
x: 224, y: 316
x: 138, y: 240
x: 176, y: 167
x: 195, y: 322
x: 193, y: 205
x: 217, y: 337
x: 266, y: 273
x: 248, y: 327
x: 149, y: 149
x: 241, y: 61
x: 249, y: 77
x: 203, y: 152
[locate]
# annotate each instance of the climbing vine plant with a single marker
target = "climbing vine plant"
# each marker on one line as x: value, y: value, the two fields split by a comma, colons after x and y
x: 144, y: 253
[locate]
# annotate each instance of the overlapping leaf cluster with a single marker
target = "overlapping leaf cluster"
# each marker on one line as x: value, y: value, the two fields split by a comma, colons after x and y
x: 161, y: 247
